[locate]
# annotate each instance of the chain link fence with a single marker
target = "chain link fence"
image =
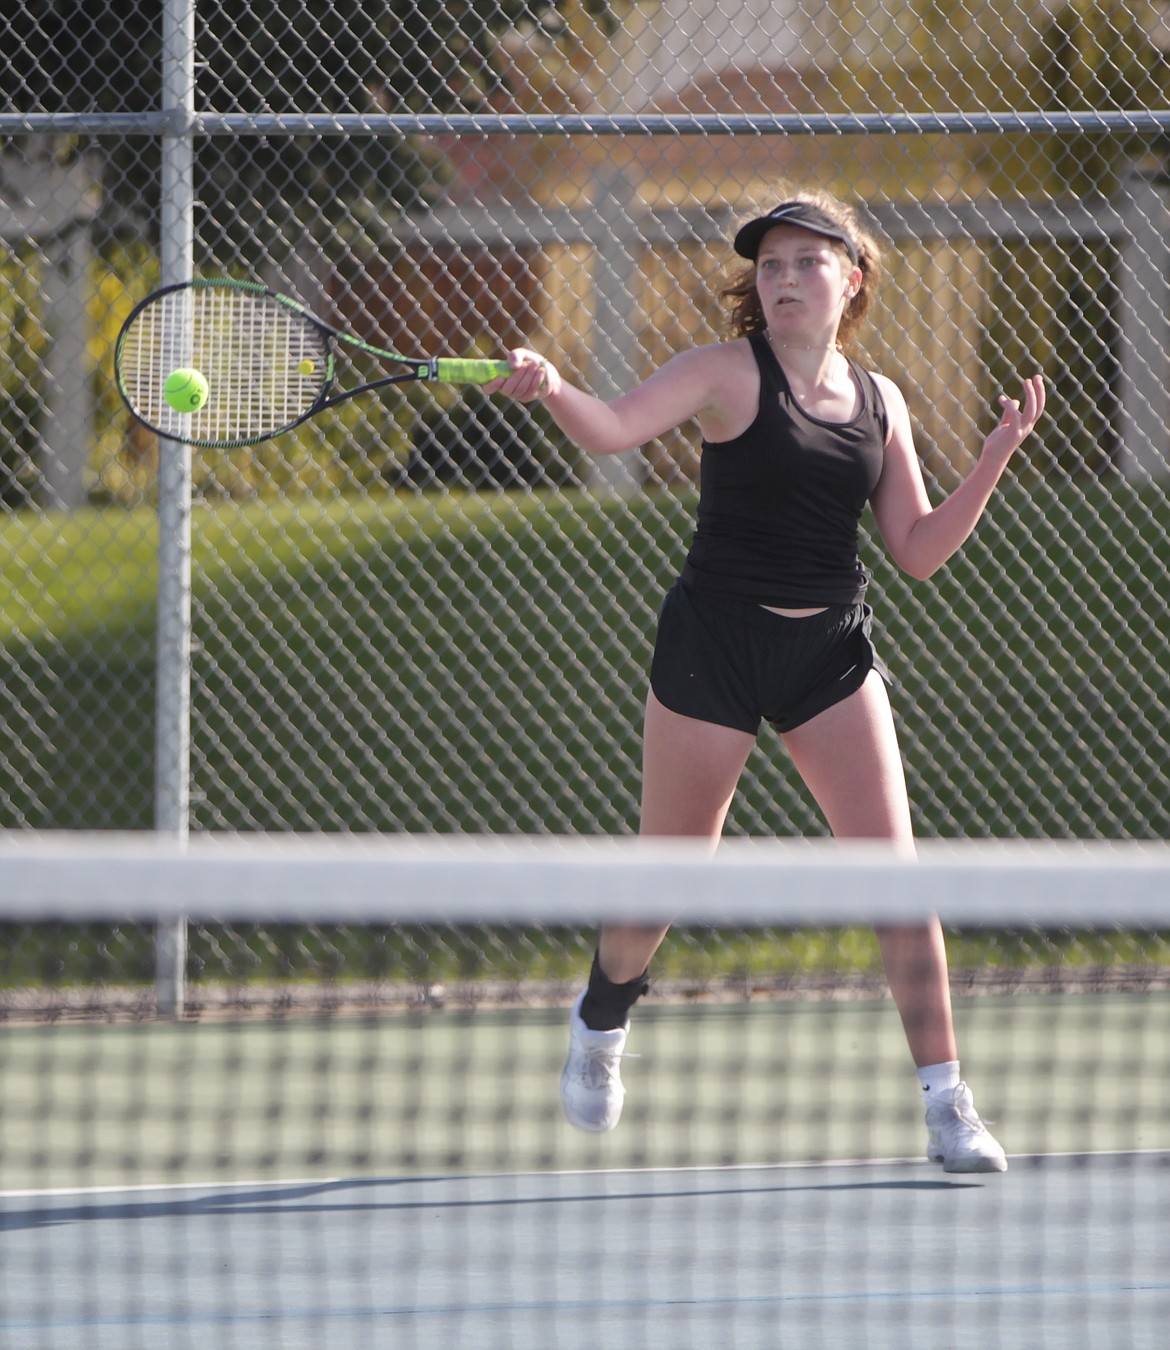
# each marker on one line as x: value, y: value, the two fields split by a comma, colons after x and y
x: 425, y: 611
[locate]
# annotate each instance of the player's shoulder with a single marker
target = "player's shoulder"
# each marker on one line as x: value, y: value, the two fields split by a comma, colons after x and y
x: 714, y: 361
x: 716, y: 353
x: 888, y: 389
x: 891, y: 395
x: 720, y: 381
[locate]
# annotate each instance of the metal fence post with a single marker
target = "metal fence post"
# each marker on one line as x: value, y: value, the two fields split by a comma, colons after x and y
x: 173, y: 632
x: 615, y: 295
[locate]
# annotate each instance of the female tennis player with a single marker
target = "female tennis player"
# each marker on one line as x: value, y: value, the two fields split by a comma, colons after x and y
x: 768, y: 620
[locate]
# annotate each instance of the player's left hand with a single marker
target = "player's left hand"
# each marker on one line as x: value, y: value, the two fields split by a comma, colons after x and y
x: 1017, y: 421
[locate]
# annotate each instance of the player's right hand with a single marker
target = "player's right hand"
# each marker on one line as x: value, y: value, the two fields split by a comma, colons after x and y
x: 533, y: 377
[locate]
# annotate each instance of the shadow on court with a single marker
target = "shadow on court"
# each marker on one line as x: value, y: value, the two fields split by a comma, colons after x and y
x: 284, y: 1200
x: 1060, y: 1251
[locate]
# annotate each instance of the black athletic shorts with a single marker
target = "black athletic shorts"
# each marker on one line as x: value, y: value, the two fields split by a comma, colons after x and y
x: 734, y: 662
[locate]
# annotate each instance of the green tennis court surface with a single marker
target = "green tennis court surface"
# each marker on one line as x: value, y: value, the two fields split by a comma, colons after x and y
x: 88, y: 1104
x: 408, y: 1181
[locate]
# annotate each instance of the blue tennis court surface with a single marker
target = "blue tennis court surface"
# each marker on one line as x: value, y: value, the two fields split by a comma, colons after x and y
x: 1062, y: 1251
x: 403, y: 1181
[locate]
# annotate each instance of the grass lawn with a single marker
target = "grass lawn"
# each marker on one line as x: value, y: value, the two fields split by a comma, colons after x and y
x: 457, y: 662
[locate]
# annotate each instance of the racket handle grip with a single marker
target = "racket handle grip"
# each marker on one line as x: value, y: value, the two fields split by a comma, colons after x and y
x: 457, y: 370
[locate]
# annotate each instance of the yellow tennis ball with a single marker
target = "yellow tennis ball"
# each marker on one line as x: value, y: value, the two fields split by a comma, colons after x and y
x: 306, y: 367
x: 185, y: 390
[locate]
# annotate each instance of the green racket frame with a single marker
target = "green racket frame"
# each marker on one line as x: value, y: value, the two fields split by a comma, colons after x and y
x: 269, y: 362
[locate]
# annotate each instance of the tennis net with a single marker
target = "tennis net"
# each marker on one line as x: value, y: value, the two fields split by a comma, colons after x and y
x: 358, y: 1138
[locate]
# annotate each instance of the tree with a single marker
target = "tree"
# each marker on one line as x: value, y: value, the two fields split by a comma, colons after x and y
x: 258, y: 56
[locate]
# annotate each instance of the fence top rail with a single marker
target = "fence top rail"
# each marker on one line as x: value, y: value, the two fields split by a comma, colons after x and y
x: 1093, y: 219
x: 177, y: 123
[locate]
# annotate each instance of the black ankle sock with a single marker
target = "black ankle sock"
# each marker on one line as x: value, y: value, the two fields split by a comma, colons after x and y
x: 607, y: 1005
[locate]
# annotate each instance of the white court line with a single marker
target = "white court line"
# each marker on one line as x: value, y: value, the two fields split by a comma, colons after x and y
x: 146, y: 1188
x: 155, y: 1186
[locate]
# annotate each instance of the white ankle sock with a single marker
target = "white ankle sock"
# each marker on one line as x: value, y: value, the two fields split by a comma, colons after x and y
x: 938, y: 1078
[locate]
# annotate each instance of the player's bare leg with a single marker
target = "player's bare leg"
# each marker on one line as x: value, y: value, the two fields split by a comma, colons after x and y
x: 849, y: 759
x: 689, y: 774
x: 690, y: 770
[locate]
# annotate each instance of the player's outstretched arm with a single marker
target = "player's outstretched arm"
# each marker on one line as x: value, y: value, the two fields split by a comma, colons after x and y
x: 921, y: 538
x: 678, y: 391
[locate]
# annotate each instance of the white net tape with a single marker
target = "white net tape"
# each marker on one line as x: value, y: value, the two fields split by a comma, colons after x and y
x: 486, y: 879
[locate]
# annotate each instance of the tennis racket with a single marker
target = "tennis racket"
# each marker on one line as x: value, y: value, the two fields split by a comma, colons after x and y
x: 269, y: 364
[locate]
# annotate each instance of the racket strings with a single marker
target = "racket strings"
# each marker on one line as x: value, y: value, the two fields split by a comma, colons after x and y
x: 265, y: 364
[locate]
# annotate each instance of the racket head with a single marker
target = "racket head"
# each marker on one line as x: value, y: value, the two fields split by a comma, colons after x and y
x: 268, y: 362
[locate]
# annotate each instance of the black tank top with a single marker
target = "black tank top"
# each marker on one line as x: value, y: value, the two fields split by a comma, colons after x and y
x: 779, y: 506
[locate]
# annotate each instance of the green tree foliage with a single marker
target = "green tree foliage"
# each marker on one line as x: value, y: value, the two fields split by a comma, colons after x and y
x: 263, y: 56
x: 256, y: 195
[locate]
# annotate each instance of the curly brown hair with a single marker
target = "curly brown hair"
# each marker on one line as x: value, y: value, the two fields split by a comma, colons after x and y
x: 742, y: 301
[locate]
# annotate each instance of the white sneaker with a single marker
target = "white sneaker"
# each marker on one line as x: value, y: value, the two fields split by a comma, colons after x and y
x: 958, y: 1138
x: 591, y: 1082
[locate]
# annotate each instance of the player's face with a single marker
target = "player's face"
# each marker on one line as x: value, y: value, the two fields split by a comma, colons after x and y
x: 803, y: 283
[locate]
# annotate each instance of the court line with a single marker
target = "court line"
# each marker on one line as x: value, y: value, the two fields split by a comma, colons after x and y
x: 145, y: 1188
x: 149, y: 1186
